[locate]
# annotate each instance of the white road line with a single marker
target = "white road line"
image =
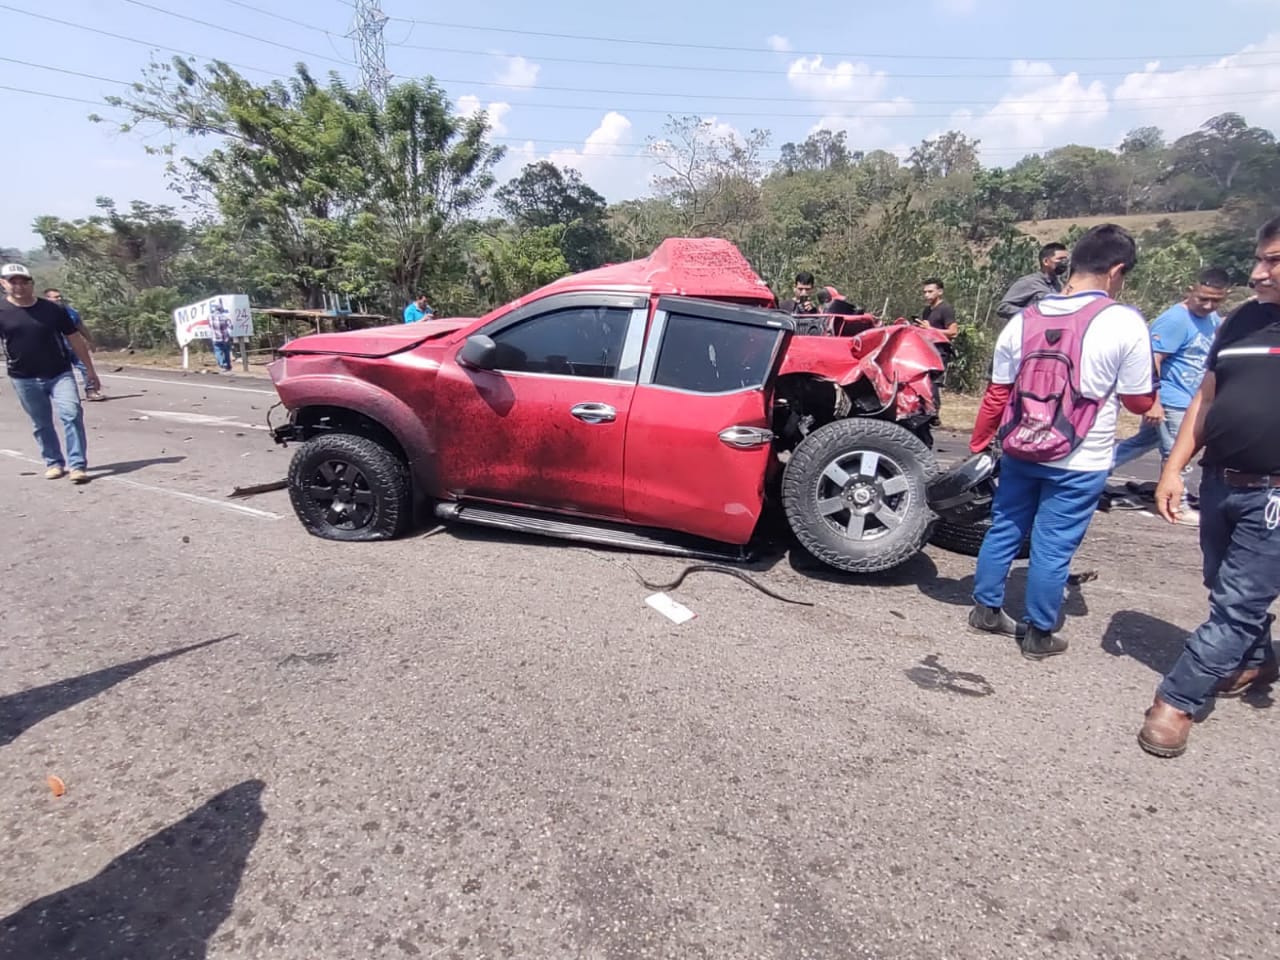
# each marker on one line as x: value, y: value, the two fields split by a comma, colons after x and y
x: 180, y: 494
x: 198, y: 384
x: 196, y: 498
x: 200, y: 419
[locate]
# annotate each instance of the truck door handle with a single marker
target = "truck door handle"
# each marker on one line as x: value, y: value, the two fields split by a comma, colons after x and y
x: 745, y: 437
x: 594, y: 412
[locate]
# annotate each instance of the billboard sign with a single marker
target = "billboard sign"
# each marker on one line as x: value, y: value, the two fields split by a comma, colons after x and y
x: 192, y: 321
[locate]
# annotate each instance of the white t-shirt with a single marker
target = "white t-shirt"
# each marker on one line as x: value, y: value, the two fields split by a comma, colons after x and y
x: 1115, y: 359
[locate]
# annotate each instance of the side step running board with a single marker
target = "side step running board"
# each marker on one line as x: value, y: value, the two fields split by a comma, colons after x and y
x: 588, y: 531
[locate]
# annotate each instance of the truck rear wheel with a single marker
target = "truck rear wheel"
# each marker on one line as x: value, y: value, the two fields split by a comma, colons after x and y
x: 854, y: 494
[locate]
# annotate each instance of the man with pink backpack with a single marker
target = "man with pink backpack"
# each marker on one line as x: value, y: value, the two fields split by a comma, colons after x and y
x: 1061, y: 369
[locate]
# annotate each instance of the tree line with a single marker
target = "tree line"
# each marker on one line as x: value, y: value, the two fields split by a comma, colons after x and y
x: 309, y: 189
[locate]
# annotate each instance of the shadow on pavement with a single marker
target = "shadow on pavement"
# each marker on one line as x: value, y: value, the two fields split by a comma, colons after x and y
x: 162, y: 900
x: 21, y: 711
x: 1158, y: 644
x: 959, y: 593
x: 1144, y: 638
x: 130, y: 466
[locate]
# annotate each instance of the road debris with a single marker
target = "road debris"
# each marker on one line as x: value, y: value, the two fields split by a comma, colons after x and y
x: 56, y: 786
x: 713, y: 568
x: 1084, y: 576
x: 675, y: 612
x: 258, y: 488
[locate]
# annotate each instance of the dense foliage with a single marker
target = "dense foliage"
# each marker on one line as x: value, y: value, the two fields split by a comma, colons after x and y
x: 309, y: 189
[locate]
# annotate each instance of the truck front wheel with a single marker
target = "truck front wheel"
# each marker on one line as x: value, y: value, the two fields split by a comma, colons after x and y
x: 854, y: 494
x: 348, y: 487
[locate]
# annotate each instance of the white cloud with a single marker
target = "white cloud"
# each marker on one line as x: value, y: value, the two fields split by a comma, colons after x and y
x: 1041, y: 109
x: 609, y: 159
x: 778, y: 44
x: 851, y: 96
x: 1179, y: 101
x: 495, y: 112
x: 520, y: 74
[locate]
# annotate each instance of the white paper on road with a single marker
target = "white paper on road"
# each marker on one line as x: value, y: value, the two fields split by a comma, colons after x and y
x: 675, y: 612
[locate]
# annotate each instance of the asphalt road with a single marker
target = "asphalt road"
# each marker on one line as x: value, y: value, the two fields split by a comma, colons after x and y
x: 463, y: 745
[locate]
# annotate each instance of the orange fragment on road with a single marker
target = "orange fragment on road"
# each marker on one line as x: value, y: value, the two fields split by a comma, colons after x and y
x: 57, y: 786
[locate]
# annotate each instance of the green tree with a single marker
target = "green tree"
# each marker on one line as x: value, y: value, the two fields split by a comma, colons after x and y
x: 543, y: 195
x: 123, y: 270
x: 326, y: 190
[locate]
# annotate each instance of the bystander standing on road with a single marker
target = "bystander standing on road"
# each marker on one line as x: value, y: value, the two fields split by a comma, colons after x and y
x: 1180, y: 339
x: 32, y: 331
x: 54, y: 294
x: 220, y: 335
x: 1235, y: 420
x: 1034, y: 287
x: 1087, y: 349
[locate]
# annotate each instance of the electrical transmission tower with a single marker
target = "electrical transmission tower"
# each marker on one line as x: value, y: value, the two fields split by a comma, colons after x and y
x: 371, y: 51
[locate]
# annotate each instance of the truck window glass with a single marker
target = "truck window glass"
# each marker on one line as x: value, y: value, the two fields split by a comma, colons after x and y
x: 713, y: 356
x: 574, y: 342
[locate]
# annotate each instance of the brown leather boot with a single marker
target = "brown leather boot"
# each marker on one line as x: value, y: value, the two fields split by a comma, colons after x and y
x: 1242, y: 680
x: 1165, y: 732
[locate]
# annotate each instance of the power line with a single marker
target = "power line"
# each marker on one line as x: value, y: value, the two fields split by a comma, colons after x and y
x: 238, y: 33
x: 864, y: 55
x: 704, y: 68
x: 1205, y: 100
x: 713, y: 69
x: 487, y: 53
x: 579, y: 144
x: 1182, y: 102
x: 144, y: 43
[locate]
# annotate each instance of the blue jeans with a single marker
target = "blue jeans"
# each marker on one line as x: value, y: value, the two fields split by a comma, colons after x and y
x: 1055, y: 507
x: 222, y: 352
x: 1242, y: 572
x: 40, y: 398
x: 78, y: 364
x: 1149, y: 438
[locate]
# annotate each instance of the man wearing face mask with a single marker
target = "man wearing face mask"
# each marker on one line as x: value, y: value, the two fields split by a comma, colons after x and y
x: 1054, y: 262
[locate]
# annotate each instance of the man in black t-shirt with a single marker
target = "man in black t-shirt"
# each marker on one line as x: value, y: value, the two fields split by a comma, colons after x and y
x: 937, y: 312
x: 940, y: 315
x: 1235, y: 419
x: 32, y: 331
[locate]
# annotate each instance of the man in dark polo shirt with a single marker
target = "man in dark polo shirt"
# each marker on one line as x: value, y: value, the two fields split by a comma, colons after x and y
x: 1235, y: 419
x: 32, y: 331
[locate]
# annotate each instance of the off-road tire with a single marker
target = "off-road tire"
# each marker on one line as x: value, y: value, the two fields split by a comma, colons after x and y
x: 803, y: 481
x: 966, y: 538
x: 385, y: 476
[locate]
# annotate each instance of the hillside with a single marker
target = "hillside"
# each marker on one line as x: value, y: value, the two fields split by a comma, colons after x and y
x: 1190, y: 221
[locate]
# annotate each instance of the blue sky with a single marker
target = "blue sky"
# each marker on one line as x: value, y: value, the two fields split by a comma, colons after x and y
x: 1020, y: 77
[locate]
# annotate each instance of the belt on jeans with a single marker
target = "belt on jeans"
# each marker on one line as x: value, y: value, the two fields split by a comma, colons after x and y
x: 1238, y: 478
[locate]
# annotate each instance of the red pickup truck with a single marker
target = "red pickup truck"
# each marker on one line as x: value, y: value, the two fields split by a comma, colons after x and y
x: 664, y: 404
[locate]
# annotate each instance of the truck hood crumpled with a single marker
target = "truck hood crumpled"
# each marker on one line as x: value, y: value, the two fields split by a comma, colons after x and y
x: 896, y: 360
x: 374, y: 341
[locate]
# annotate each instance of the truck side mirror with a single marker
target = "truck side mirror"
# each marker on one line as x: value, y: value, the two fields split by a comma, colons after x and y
x: 479, y: 352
